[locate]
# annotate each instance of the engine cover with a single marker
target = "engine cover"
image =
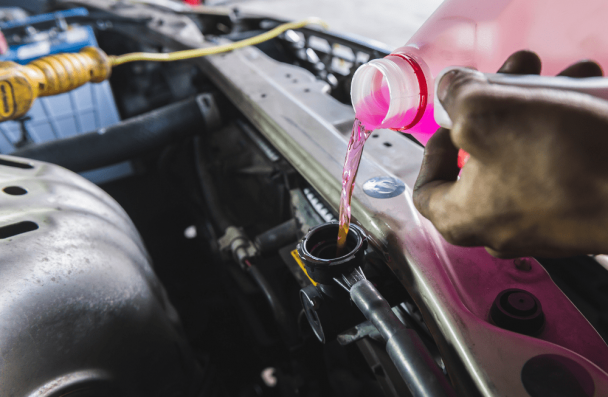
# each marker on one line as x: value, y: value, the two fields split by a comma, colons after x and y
x: 82, y: 312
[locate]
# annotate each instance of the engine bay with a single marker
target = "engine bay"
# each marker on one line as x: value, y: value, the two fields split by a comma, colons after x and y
x: 184, y: 272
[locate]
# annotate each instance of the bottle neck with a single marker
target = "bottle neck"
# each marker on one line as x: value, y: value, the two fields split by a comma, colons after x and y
x: 391, y: 92
x: 423, y: 90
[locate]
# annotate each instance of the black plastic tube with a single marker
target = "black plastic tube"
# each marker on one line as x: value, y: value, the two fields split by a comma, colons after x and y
x: 279, y: 236
x: 287, y: 326
x: 123, y: 141
x: 212, y: 201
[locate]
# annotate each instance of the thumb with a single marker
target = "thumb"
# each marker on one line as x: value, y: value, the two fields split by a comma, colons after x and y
x: 454, y: 86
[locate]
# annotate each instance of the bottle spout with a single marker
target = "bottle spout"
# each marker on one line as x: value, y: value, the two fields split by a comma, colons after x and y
x: 389, y: 93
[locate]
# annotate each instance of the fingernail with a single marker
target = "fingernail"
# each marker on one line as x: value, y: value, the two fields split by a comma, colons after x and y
x: 443, y: 87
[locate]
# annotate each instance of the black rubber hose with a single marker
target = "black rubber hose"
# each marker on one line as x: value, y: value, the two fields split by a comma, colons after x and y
x: 279, y: 236
x: 287, y: 325
x: 120, y: 142
x: 212, y: 201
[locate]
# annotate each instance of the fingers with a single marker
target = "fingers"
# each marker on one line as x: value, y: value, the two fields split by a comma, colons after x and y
x: 527, y: 62
x: 457, y: 84
x: 583, y: 69
x: 474, y: 106
x: 521, y: 62
x: 438, y: 172
x: 440, y: 160
x: 453, y: 88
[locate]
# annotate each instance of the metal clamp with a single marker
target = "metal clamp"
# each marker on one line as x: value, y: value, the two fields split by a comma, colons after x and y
x: 405, y: 348
x: 210, y: 111
x: 235, y: 241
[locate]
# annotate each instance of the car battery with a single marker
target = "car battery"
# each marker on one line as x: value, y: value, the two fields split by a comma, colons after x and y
x: 87, y: 108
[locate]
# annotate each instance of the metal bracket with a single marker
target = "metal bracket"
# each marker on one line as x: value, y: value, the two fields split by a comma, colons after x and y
x: 211, y: 113
x: 359, y: 331
x: 236, y: 242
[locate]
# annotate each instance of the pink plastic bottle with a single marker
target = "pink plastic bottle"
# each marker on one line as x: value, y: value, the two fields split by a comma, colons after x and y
x: 397, y: 91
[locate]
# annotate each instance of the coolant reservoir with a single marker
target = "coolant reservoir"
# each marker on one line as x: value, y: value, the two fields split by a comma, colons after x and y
x: 397, y: 91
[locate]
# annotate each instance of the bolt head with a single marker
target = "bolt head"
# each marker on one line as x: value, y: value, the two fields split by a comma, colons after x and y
x: 518, y: 311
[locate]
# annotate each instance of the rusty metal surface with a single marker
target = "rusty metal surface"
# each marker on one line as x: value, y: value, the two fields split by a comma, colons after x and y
x: 81, y: 307
x: 454, y: 287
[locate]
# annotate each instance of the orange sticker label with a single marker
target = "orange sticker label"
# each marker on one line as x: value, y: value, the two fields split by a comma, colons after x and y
x: 296, y: 256
x: 7, y: 99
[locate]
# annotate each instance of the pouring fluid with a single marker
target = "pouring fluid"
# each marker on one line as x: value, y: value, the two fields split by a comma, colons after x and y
x: 356, y: 143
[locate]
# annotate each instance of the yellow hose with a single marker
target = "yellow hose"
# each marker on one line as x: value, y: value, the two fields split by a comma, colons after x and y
x: 201, y: 52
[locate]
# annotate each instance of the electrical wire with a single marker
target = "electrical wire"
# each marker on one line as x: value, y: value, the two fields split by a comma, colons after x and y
x: 201, y: 52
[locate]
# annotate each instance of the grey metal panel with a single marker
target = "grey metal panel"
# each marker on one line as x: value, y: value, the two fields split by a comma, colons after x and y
x: 79, y: 302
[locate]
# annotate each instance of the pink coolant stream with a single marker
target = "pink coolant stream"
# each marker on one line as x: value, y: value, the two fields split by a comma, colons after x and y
x: 356, y: 143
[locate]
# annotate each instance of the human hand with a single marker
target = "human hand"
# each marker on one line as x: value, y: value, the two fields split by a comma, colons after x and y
x: 536, y: 182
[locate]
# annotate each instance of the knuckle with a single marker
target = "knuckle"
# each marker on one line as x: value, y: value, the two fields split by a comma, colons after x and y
x: 476, y: 99
x: 501, y: 241
x: 465, y: 228
x: 420, y: 199
x: 462, y: 83
x: 500, y: 254
x: 455, y: 85
x: 455, y: 235
x: 478, y: 113
x: 497, y: 244
x: 451, y: 237
x: 468, y: 130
